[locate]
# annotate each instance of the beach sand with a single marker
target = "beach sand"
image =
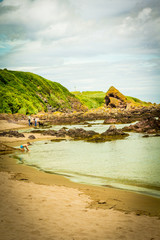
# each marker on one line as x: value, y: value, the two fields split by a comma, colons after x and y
x: 8, y: 124
x: 38, y: 205
x: 30, y: 211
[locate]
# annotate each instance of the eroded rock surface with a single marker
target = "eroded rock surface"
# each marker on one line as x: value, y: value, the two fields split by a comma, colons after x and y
x: 12, y: 134
x: 149, y: 125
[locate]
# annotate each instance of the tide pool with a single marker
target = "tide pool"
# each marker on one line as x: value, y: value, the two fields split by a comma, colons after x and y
x: 132, y: 163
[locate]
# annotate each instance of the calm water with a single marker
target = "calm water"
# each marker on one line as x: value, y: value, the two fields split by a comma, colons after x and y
x: 133, y: 163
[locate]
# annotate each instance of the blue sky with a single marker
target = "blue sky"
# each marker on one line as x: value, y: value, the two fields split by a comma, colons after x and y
x: 85, y: 44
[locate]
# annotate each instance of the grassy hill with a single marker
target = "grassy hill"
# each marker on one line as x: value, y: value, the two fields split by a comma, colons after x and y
x: 137, y: 101
x: 95, y: 99
x: 28, y: 93
x: 91, y: 99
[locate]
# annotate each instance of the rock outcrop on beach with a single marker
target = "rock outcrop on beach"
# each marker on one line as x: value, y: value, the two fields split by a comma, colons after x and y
x: 32, y: 137
x: 80, y: 133
x: 90, y: 136
x: 115, y: 99
x: 148, y: 125
x: 113, y: 131
x: 12, y: 133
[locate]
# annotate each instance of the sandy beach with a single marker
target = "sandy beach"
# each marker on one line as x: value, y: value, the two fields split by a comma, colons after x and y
x: 38, y: 205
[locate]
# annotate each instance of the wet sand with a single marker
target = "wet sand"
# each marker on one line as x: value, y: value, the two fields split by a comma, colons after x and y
x: 47, y: 206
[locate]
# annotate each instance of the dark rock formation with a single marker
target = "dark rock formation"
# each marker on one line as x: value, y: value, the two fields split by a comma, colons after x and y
x: 90, y: 136
x: 107, y: 100
x: 80, y: 133
x: 155, y: 135
x: 149, y: 125
x: 32, y: 137
x: 115, y: 99
x: 49, y: 132
x: 113, y: 131
x: 12, y: 134
x: 60, y: 133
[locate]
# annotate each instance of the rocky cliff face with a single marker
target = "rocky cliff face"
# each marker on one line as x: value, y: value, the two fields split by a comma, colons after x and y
x: 115, y: 99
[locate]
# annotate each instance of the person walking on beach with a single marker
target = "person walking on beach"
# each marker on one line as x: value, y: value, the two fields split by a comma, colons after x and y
x: 35, y: 121
x: 29, y: 120
x: 23, y: 146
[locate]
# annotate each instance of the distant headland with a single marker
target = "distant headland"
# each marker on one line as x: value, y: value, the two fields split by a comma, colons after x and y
x: 28, y: 93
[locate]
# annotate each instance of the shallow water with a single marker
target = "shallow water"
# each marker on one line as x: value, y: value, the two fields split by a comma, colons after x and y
x: 132, y: 163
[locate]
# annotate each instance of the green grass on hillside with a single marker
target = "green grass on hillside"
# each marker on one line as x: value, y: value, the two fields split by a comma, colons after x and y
x: 28, y: 93
x: 137, y: 101
x: 92, y: 99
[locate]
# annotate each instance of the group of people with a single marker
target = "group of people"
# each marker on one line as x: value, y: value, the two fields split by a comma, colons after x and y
x: 32, y: 120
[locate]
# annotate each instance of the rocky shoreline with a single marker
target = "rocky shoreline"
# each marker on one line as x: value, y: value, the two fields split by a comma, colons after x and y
x: 109, y: 115
x: 147, y: 120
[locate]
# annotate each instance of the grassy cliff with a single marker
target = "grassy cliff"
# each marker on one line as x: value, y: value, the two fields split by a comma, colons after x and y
x: 91, y: 99
x: 28, y: 93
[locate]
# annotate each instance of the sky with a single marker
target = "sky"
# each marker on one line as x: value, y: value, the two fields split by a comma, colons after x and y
x: 86, y: 45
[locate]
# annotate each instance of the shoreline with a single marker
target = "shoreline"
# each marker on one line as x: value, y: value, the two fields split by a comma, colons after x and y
x: 112, y: 198
x: 35, y: 204
x: 101, y: 197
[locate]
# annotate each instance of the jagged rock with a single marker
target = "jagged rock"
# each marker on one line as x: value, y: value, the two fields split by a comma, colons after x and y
x: 49, y: 132
x: 149, y: 125
x: 12, y: 134
x: 115, y: 99
x: 113, y: 131
x: 120, y: 119
x: 80, y: 133
x: 110, y: 121
x: 32, y: 137
x: 107, y: 100
x: 61, y: 133
x: 90, y: 136
x: 155, y: 135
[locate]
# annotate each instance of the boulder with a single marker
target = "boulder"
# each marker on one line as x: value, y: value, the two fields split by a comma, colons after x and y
x: 61, y: 133
x: 49, y: 132
x: 113, y: 131
x: 147, y: 125
x: 32, y: 137
x: 80, y: 133
x: 115, y: 99
x: 12, y: 134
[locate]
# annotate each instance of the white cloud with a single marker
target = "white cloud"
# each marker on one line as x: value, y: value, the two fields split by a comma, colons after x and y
x: 145, y: 14
x: 91, y: 44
